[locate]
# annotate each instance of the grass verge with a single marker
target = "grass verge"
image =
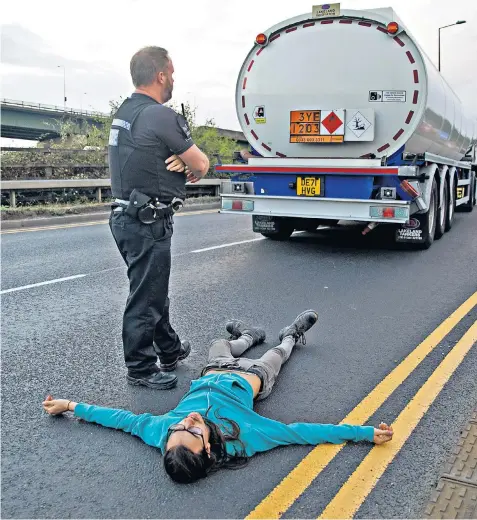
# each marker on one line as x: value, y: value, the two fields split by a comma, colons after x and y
x: 61, y: 209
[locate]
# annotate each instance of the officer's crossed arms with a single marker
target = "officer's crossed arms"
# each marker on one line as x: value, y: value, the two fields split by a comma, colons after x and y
x: 193, y: 162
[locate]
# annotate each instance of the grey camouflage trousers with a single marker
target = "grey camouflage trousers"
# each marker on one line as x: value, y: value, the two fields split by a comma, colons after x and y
x: 226, y: 355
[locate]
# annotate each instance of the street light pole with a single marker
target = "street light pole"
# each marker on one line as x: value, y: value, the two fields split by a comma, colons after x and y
x: 64, y: 86
x: 439, y: 42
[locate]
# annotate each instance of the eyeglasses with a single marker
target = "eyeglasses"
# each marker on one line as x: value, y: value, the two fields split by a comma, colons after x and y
x: 194, y: 430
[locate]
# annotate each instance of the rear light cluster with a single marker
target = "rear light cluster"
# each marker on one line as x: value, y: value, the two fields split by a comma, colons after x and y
x: 388, y: 212
x: 237, y: 205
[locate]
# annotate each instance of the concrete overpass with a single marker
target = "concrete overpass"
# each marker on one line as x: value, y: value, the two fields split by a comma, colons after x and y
x: 38, y: 122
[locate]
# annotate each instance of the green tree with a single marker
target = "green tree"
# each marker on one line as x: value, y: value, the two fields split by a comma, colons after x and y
x: 207, y: 136
x: 95, y: 137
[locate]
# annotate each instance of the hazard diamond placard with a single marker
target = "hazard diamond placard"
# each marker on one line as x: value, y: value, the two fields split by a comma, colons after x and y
x: 332, y: 122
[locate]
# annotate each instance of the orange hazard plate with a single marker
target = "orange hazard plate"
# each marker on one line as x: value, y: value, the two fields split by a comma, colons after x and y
x: 305, y: 127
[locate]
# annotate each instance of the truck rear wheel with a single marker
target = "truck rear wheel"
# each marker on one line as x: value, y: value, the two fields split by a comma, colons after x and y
x: 280, y: 236
x: 429, y: 220
x: 279, y: 228
x: 451, y: 206
x: 442, y: 212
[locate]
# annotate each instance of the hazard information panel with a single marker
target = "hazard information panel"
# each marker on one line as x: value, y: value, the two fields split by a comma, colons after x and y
x: 317, y: 126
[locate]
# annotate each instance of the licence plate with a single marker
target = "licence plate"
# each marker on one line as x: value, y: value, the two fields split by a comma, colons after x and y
x: 310, y: 186
x: 316, y: 126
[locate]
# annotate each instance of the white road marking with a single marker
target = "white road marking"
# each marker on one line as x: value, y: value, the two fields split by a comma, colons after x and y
x: 94, y: 223
x: 49, y: 282
x: 227, y: 245
x: 23, y: 287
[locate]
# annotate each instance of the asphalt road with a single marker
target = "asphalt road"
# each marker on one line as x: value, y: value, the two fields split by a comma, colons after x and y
x: 376, y: 304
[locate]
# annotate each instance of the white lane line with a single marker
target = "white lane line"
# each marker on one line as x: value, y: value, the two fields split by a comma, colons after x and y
x: 227, y: 245
x: 23, y: 287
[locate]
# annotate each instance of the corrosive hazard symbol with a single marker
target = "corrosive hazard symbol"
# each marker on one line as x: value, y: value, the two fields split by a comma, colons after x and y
x: 259, y: 115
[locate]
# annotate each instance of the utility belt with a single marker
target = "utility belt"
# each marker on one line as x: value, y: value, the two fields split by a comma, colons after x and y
x: 146, y: 209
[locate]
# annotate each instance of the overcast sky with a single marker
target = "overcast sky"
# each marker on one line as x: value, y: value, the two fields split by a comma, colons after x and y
x: 207, y: 40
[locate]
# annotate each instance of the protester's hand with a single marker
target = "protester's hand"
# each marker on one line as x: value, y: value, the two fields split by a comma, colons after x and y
x: 56, y: 406
x: 383, y: 434
x: 175, y: 164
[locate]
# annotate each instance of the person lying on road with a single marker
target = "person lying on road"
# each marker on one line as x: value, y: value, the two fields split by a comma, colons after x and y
x: 214, y: 425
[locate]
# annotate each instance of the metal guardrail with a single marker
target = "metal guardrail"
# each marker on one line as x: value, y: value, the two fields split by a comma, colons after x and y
x: 51, y: 108
x: 52, y: 149
x: 99, y: 184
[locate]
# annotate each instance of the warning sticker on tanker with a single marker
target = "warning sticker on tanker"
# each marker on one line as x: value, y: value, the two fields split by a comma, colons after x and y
x: 358, y: 124
x: 396, y: 96
x: 332, y: 122
x: 387, y: 96
x: 325, y: 10
x: 259, y: 115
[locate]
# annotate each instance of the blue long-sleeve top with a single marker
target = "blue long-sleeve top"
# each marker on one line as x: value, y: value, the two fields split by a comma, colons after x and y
x: 232, y: 397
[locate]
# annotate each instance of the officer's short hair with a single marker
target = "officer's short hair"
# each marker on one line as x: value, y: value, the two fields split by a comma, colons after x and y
x: 146, y: 63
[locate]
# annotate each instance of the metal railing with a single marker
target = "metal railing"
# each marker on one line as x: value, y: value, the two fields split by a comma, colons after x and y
x: 14, y: 186
x: 51, y: 108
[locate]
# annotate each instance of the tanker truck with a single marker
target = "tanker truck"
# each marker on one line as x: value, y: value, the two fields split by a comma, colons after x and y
x: 349, y: 123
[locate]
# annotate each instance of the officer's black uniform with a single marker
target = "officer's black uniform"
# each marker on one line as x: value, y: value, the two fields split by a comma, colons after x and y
x: 143, y: 135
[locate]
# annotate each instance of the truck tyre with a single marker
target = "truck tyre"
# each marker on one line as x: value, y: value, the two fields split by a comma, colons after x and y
x: 285, y: 229
x: 451, y: 207
x: 429, y: 219
x: 469, y: 205
x: 442, y: 212
x: 281, y: 236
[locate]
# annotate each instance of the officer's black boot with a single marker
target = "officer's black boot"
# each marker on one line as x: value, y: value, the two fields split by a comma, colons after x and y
x: 157, y: 380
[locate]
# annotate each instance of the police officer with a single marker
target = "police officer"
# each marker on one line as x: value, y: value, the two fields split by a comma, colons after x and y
x: 151, y: 155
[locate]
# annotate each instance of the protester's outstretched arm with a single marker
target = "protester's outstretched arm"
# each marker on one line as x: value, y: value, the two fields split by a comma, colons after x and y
x: 312, y: 433
x: 273, y: 434
x: 145, y: 426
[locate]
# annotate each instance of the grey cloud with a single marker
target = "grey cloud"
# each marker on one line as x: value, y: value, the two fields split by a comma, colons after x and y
x: 27, y: 50
x: 24, y: 48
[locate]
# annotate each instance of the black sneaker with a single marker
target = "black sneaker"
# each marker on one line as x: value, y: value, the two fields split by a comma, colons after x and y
x: 302, y: 323
x: 183, y: 353
x: 157, y: 381
x: 258, y: 335
x: 235, y: 328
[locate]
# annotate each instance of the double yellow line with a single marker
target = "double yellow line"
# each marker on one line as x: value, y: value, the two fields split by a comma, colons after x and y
x: 353, y: 493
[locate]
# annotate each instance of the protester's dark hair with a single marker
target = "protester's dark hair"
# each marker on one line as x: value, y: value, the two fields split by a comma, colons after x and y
x: 146, y: 63
x: 185, y: 466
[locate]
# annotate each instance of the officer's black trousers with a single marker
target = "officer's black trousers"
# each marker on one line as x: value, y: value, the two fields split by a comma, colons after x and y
x: 146, y: 249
